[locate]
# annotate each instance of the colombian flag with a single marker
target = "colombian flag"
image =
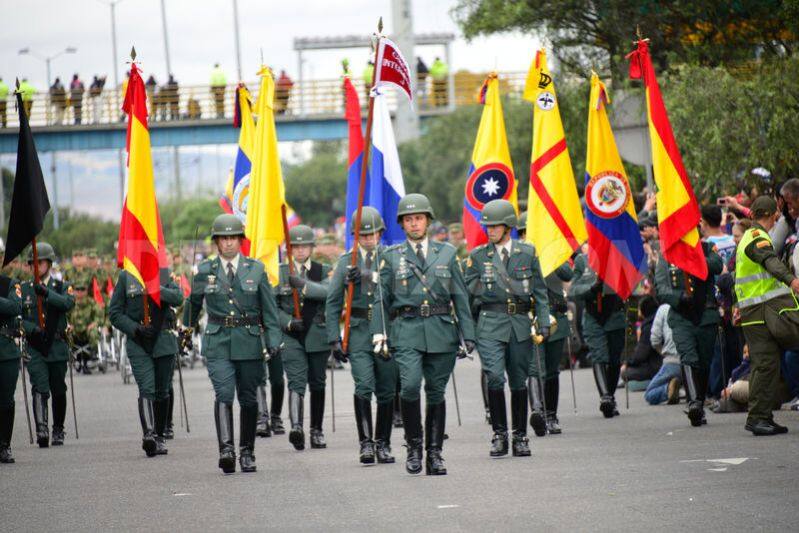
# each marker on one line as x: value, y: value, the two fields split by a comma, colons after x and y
x: 491, y: 172
x: 264, y: 225
x: 141, y: 240
x: 615, y: 249
x: 555, y: 222
x: 678, y: 211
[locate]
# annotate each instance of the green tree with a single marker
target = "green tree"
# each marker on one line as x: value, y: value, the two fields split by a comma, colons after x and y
x: 315, y: 189
x: 180, y: 219
x: 80, y: 230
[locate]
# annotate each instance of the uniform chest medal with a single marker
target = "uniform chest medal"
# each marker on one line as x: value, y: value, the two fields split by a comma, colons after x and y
x: 403, y: 270
x: 212, y: 281
x: 489, y: 273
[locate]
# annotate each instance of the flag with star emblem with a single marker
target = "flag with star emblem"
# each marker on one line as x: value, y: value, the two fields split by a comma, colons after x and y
x: 491, y: 171
x: 555, y: 224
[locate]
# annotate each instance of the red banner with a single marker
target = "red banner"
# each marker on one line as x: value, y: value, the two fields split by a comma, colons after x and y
x: 391, y: 68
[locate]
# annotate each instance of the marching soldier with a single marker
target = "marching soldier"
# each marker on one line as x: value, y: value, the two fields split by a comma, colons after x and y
x: 48, y: 348
x: 10, y: 310
x: 603, y: 330
x: 553, y: 347
x: 372, y: 373
x: 151, y: 350
x: 693, y: 319
x: 766, y: 292
x: 86, y: 320
x: 505, y: 282
x: 305, y: 347
x: 242, y: 331
x: 426, y: 301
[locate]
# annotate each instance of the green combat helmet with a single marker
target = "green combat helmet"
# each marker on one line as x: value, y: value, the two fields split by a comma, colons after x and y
x: 43, y: 251
x: 227, y: 225
x: 522, y: 224
x: 413, y: 203
x: 301, y: 234
x: 371, y: 221
x: 498, y: 212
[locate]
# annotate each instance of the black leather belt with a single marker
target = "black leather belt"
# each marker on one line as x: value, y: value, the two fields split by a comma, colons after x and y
x: 234, y: 321
x: 359, y: 312
x: 510, y: 308
x: 423, y: 311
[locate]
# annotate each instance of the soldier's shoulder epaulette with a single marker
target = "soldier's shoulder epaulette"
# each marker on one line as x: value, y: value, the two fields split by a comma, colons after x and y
x: 205, y: 266
x: 393, y: 248
x: 526, y: 247
x: 478, y: 248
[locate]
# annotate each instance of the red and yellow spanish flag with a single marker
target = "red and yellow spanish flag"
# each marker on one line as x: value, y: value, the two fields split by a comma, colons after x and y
x: 491, y: 172
x: 264, y: 225
x: 555, y: 224
x: 141, y: 249
x: 678, y: 210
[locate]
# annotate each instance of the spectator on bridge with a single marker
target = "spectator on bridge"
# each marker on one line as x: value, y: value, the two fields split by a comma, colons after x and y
x: 150, y: 87
x: 3, y: 103
x: 193, y: 111
x: 76, y: 90
x: 171, y: 98
x: 439, y: 72
x: 27, y: 90
x: 58, y: 99
x: 218, y: 84
x: 95, y: 102
x: 282, y: 91
x: 665, y: 386
x: 366, y: 76
x: 421, y: 78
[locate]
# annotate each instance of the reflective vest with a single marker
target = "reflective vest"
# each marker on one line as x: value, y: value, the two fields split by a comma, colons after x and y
x: 753, y: 283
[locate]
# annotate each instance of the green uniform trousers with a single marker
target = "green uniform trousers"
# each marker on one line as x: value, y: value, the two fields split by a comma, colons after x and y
x: 47, y: 376
x: 9, y: 372
x: 231, y: 377
x: 373, y: 375
x: 604, y: 347
x: 153, y: 375
x: 498, y: 358
x: 304, y: 369
x: 553, y: 354
x: 275, y: 369
x: 434, y: 367
x: 694, y: 343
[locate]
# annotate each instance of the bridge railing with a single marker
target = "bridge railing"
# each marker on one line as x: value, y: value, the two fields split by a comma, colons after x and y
x: 310, y: 98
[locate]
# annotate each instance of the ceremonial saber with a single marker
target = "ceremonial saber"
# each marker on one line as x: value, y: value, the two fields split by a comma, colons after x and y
x: 333, y: 394
x: 72, y: 393
x: 25, y: 385
x: 571, y: 361
x: 457, y: 401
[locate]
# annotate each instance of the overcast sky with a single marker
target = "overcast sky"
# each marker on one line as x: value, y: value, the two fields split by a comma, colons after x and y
x: 201, y: 32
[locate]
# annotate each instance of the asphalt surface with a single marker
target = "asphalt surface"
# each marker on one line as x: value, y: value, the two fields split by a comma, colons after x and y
x: 645, y: 470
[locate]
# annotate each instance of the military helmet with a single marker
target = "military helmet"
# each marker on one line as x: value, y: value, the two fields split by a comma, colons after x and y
x: 301, y: 234
x: 521, y: 225
x: 227, y: 225
x: 413, y: 203
x: 497, y: 212
x: 43, y: 251
x: 371, y: 221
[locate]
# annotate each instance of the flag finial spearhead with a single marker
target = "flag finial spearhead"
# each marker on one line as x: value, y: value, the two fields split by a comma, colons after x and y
x: 17, y: 83
x: 133, y: 53
x: 380, y: 25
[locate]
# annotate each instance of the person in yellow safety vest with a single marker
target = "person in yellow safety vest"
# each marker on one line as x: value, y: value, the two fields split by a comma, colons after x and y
x: 439, y: 72
x: 3, y: 103
x: 27, y: 90
x: 765, y: 292
x: 218, y: 83
x: 368, y: 73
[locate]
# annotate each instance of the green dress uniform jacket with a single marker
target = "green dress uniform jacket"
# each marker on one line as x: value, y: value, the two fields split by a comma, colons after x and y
x: 10, y: 310
x: 312, y: 307
x: 604, y: 308
x: 362, y: 302
x: 127, y: 311
x: 55, y: 306
x: 249, y: 297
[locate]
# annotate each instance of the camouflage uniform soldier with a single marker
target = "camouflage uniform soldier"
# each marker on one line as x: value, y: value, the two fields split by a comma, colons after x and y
x: 86, y: 319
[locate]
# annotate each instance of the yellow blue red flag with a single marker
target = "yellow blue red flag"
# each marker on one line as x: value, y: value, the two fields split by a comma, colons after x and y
x: 491, y: 171
x: 615, y: 250
x: 555, y: 224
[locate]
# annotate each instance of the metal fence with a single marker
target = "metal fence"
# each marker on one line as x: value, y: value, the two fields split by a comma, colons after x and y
x: 312, y: 98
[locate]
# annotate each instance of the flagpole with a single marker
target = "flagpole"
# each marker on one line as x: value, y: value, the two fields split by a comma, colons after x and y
x: 356, y: 224
x: 290, y: 260
x: 36, y: 280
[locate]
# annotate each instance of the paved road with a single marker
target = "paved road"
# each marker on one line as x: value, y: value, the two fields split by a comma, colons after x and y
x: 644, y: 470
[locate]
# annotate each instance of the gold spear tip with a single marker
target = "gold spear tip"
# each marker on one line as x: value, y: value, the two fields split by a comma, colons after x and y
x: 18, y: 84
x: 380, y: 25
x: 133, y: 53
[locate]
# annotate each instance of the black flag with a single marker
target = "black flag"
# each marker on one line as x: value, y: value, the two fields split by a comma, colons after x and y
x: 29, y: 204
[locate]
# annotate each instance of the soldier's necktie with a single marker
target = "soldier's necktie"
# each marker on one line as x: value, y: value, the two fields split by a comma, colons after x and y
x: 505, y: 257
x: 368, y: 262
x: 230, y: 274
x: 420, y: 253
x: 304, y: 271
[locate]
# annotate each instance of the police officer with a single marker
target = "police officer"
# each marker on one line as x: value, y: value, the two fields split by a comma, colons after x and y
x: 48, y: 347
x: 603, y: 330
x: 553, y: 347
x: 422, y: 284
x: 306, y: 350
x: 242, y: 330
x: 10, y: 309
x: 505, y: 282
x: 693, y: 319
x: 372, y: 373
x: 766, y: 292
x: 151, y: 349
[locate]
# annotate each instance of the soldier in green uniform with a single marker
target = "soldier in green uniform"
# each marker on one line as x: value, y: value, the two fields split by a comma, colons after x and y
x: 305, y: 348
x: 603, y: 330
x: 372, y: 373
x: 422, y: 286
x: 86, y: 319
x: 10, y: 310
x: 553, y: 347
x: 505, y: 282
x: 151, y: 350
x: 693, y: 319
x: 766, y: 292
x: 48, y: 347
x: 242, y: 331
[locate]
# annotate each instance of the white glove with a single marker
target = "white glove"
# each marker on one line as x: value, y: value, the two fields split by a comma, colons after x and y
x: 380, y: 343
